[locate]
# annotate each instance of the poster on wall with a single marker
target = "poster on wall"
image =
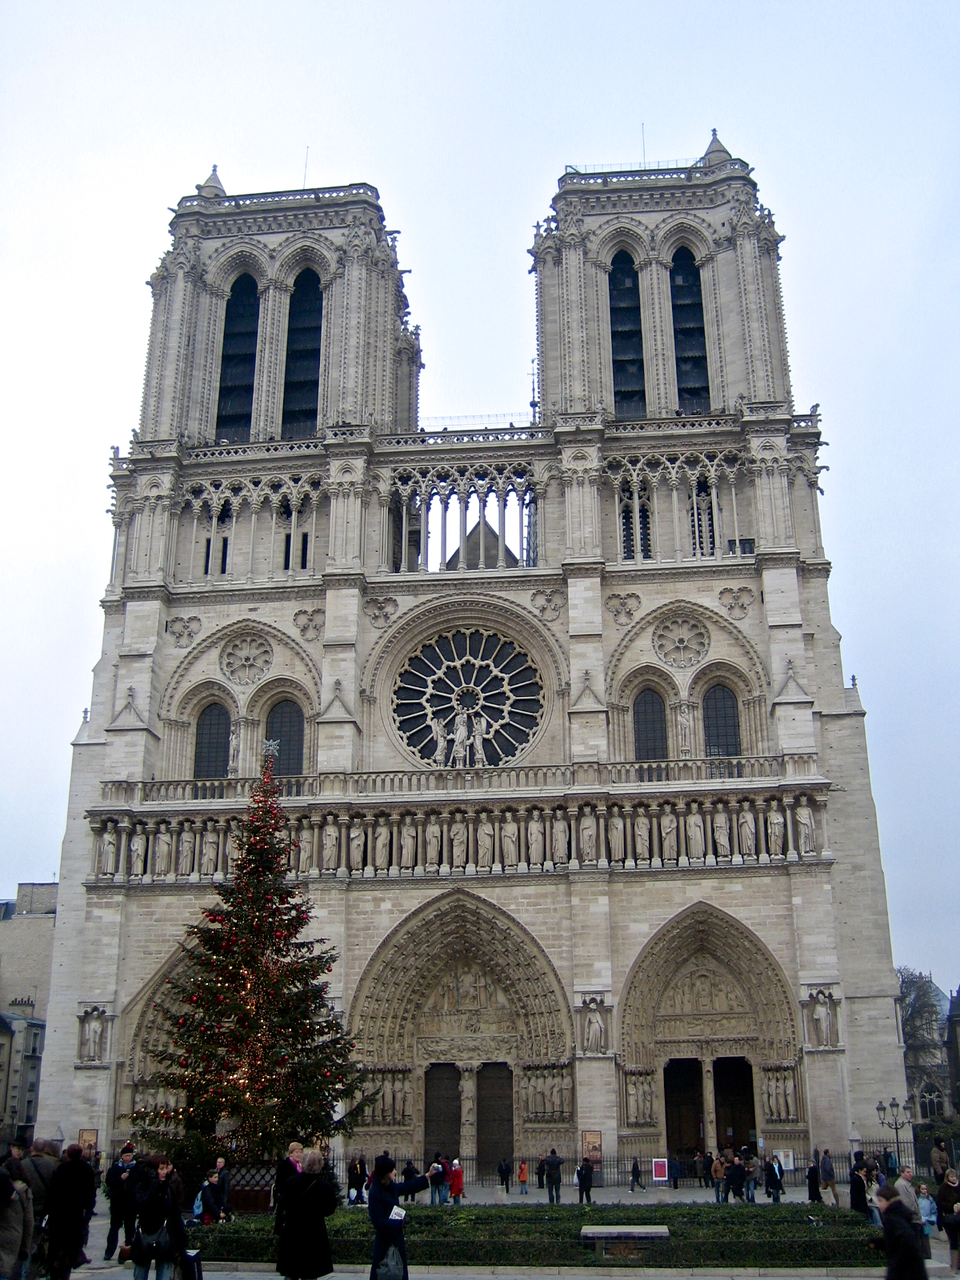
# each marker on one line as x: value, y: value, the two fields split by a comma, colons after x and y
x: 660, y: 1171
x: 591, y: 1142
x: 785, y: 1156
x: 87, y: 1139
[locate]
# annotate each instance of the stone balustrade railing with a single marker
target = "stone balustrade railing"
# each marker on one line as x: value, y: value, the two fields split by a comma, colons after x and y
x: 393, y: 835
x: 658, y: 775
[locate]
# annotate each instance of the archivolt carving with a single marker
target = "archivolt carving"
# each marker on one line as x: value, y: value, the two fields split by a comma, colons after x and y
x: 618, y: 673
x: 705, y: 976
x: 402, y: 995
x: 138, y: 1086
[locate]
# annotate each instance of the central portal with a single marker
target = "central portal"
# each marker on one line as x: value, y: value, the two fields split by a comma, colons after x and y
x: 683, y: 1102
x: 736, y: 1117
x: 441, y: 1121
x: 494, y: 1116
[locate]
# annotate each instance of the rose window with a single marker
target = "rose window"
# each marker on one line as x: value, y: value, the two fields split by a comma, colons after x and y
x: 681, y: 642
x: 468, y: 699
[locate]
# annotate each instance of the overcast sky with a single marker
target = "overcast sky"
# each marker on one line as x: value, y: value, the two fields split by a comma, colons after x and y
x: 464, y: 115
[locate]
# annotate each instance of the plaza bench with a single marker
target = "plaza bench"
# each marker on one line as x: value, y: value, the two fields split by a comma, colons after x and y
x: 623, y: 1242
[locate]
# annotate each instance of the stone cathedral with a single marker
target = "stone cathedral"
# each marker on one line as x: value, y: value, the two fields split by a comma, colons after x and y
x: 573, y: 781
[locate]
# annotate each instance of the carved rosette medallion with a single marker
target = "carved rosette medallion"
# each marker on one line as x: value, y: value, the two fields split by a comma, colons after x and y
x: 246, y: 660
x: 681, y: 641
x: 468, y: 699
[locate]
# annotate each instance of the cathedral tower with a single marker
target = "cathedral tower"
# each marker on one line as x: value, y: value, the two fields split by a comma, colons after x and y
x: 573, y: 781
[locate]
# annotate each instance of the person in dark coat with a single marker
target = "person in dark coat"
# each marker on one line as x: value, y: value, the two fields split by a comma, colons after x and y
x: 357, y: 1179
x: 813, y: 1183
x: 738, y: 1179
x: 70, y: 1202
x: 38, y: 1168
x: 288, y: 1167
x: 383, y: 1198
x: 554, y: 1167
x: 223, y: 1186
x: 773, y: 1179
x: 161, y: 1236
x: 409, y: 1172
x: 858, y: 1192
x: 541, y: 1172
x: 303, y: 1250
x: 120, y: 1183
x: 585, y: 1181
x: 635, y: 1179
x: 904, y: 1259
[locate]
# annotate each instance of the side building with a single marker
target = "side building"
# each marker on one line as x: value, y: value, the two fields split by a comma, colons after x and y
x: 26, y: 950
x: 573, y: 781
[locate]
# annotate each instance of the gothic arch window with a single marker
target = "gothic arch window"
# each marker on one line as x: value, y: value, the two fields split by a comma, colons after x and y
x: 721, y: 722
x: 239, y: 361
x: 689, y: 335
x: 285, y: 725
x: 635, y: 521
x: 650, y: 726
x: 212, y: 756
x: 301, y: 383
x: 626, y: 336
x: 702, y: 532
x: 931, y: 1103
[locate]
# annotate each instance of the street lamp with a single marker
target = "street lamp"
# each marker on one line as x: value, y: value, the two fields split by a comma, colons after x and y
x: 896, y: 1122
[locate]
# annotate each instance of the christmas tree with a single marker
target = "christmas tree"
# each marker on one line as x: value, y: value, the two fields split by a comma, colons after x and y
x: 256, y: 1052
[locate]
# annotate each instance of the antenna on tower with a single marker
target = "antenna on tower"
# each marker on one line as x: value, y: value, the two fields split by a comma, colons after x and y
x: 305, y: 159
x: 534, y: 403
x: 643, y: 143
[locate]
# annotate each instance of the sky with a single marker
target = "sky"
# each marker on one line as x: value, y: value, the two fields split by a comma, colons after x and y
x: 464, y: 115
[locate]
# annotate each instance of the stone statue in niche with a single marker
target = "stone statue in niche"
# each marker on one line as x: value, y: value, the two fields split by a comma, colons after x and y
x: 485, y: 837
x: 305, y: 860
x: 439, y: 732
x: 398, y: 1098
x: 407, y: 1101
x: 721, y: 836
x: 468, y: 1097
x: 432, y: 840
x: 185, y: 855
x: 668, y: 836
x: 775, y: 832
x: 806, y: 835
x: 163, y: 846
x: 138, y: 851
x: 107, y: 853
x: 381, y: 847
x: 695, y: 837
x: 535, y: 839
x: 567, y: 1086
x: 331, y: 844
x: 588, y: 835
x: 748, y: 833
x: 641, y: 836
x: 408, y: 844
x: 91, y: 1035
x: 233, y: 844
x: 460, y: 736
x: 823, y: 1015
x: 790, y: 1095
x: 646, y: 1100
x: 593, y: 1028
x: 479, y: 755
x: 633, y: 1101
x: 683, y: 724
x: 561, y: 839
x: 509, y: 841
x: 210, y: 848
x: 615, y: 835
x: 458, y: 842
x: 233, y: 767
x: 355, y: 843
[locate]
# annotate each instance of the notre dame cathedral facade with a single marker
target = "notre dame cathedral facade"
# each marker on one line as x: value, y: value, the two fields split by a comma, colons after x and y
x: 573, y: 781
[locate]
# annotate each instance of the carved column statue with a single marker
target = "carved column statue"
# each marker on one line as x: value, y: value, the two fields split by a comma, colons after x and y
x: 468, y: 1109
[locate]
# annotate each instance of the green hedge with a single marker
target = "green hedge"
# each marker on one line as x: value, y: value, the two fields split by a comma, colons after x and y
x: 700, y: 1235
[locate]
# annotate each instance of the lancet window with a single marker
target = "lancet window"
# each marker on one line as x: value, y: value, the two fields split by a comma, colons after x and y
x: 635, y: 540
x: 689, y: 334
x: 650, y: 726
x: 212, y: 756
x: 285, y: 726
x: 454, y: 519
x: 721, y: 722
x: 238, y: 361
x: 702, y: 532
x: 626, y: 337
x: 301, y: 385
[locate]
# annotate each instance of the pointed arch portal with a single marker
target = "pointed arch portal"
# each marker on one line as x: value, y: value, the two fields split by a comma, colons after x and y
x: 466, y: 1028
x: 710, y: 1041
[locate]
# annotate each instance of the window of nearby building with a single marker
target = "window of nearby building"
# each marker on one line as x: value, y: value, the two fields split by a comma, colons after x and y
x: 238, y: 362
x: 650, y: 726
x: 626, y: 336
x: 212, y: 757
x: 301, y: 385
x: 285, y: 725
x: 931, y: 1103
x: 689, y: 335
x: 721, y: 722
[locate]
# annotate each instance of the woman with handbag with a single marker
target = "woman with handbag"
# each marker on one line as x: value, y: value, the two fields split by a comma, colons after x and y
x: 161, y: 1236
x: 383, y: 1205
x: 303, y: 1249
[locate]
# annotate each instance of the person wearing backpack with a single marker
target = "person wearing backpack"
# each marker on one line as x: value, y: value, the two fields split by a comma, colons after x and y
x: 383, y: 1205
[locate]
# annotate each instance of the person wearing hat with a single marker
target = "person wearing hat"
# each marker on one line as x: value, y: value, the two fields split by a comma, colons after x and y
x: 904, y: 1259
x: 456, y: 1182
x: 382, y: 1202
x: 121, y: 1192
x: 303, y: 1249
x: 948, y: 1202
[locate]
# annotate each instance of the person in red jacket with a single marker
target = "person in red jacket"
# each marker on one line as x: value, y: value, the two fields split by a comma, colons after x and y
x: 456, y: 1182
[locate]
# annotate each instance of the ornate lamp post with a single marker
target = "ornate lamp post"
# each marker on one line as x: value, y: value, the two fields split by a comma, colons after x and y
x: 896, y: 1121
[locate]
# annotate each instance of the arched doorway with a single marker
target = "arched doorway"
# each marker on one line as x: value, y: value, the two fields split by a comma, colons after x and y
x: 461, y: 997
x: 710, y: 1044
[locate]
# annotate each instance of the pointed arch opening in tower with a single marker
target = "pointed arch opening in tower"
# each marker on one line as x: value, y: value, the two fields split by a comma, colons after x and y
x: 238, y: 362
x: 301, y: 382
x: 626, y: 336
x: 689, y: 334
